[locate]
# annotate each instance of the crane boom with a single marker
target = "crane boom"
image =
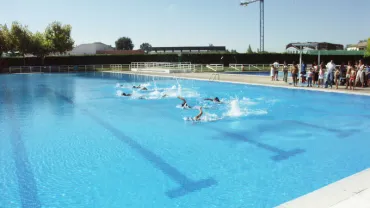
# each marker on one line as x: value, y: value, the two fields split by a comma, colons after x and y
x: 245, y: 3
x: 262, y: 21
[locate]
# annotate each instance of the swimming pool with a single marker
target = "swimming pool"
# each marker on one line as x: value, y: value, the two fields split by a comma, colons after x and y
x: 69, y: 140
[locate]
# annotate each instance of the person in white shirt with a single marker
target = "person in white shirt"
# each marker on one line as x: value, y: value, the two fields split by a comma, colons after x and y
x: 276, y: 66
x: 330, y: 76
x: 360, y: 74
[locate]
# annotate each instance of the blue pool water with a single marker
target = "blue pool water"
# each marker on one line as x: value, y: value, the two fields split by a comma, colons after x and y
x: 68, y: 140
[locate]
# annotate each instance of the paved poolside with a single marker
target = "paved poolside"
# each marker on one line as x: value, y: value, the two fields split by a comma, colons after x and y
x: 254, y: 80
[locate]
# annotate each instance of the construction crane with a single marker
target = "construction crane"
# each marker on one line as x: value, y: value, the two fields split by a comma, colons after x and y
x: 262, y: 21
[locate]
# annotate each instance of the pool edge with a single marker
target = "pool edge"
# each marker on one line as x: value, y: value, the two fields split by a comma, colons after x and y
x: 352, y: 191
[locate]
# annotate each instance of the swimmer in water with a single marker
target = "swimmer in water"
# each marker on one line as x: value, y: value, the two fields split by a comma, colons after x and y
x: 197, y: 118
x: 129, y: 95
x: 216, y: 100
x: 184, y: 103
x: 126, y: 95
x: 139, y: 87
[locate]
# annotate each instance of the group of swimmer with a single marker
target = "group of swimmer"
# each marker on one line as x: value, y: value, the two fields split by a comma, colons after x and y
x: 184, y: 103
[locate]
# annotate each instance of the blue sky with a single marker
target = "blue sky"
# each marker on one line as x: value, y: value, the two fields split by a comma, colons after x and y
x: 197, y: 22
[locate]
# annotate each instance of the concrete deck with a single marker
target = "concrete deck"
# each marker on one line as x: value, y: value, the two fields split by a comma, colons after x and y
x: 253, y: 80
x: 351, y: 192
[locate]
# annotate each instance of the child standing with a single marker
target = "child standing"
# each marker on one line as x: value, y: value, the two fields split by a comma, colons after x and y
x: 352, y: 79
x: 309, y: 78
x: 321, y: 75
x: 337, y: 77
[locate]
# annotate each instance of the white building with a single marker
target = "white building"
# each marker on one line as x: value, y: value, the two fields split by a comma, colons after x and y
x: 361, y: 46
x: 90, y: 48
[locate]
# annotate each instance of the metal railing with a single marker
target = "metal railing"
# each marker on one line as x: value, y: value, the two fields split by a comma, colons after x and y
x: 186, y: 66
x: 68, y: 68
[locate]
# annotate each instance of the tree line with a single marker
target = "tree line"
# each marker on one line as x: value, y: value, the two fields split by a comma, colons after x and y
x: 125, y: 43
x: 19, y: 39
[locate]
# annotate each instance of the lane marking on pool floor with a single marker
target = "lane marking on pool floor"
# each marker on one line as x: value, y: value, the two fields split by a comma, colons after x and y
x: 27, y: 187
x: 187, y: 185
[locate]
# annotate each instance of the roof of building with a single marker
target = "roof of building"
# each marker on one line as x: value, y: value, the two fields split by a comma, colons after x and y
x: 195, y: 48
x: 316, y: 46
x: 120, y: 52
x: 91, y: 48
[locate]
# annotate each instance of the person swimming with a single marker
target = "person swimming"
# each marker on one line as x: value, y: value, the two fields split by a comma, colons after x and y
x: 139, y: 87
x: 129, y: 95
x: 196, y: 118
x: 184, y: 103
x: 216, y: 100
x: 126, y: 94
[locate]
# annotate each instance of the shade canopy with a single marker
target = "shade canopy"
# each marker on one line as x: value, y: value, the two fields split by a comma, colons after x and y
x: 316, y: 46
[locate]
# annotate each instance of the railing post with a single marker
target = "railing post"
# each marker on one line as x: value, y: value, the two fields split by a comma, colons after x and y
x: 50, y: 69
x: 85, y: 68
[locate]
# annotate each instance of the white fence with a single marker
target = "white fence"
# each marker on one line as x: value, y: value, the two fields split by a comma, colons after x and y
x: 143, y: 66
x: 67, y: 68
x: 166, y: 67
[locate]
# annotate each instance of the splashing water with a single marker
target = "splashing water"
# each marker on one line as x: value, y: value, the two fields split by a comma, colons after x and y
x: 234, y: 110
x: 119, y: 93
x: 155, y: 84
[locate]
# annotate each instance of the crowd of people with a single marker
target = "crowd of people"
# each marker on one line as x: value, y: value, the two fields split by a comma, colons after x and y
x: 351, y: 75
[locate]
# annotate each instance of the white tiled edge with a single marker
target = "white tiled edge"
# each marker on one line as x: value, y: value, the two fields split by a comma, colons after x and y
x: 351, y: 192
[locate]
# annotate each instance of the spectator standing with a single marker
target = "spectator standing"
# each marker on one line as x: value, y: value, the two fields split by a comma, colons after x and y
x: 368, y: 75
x: 303, y: 72
x: 360, y: 74
x: 294, y: 71
x: 329, y: 77
x: 348, y: 74
x: 337, y: 77
x: 321, y: 75
x: 309, y: 78
x: 315, y: 73
x: 276, y: 70
x: 285, y: 71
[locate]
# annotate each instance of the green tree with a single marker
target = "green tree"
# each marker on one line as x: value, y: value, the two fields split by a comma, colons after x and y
x: 146, y: 47
x: 3, y: 41
x: 40, y: 46
x: 249, y: 49
x: 7, y: 40
x: 124, y: 43
x: 233, y: 51
x: 20, y: 37
x: 59, y: 37
x: 367, y: 52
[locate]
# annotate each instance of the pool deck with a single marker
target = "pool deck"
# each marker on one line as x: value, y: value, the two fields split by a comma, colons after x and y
x: 350, y: 192
x: 253, y: 80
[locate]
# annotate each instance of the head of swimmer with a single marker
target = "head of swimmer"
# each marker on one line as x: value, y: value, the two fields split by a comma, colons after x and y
x: 217, y: 99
